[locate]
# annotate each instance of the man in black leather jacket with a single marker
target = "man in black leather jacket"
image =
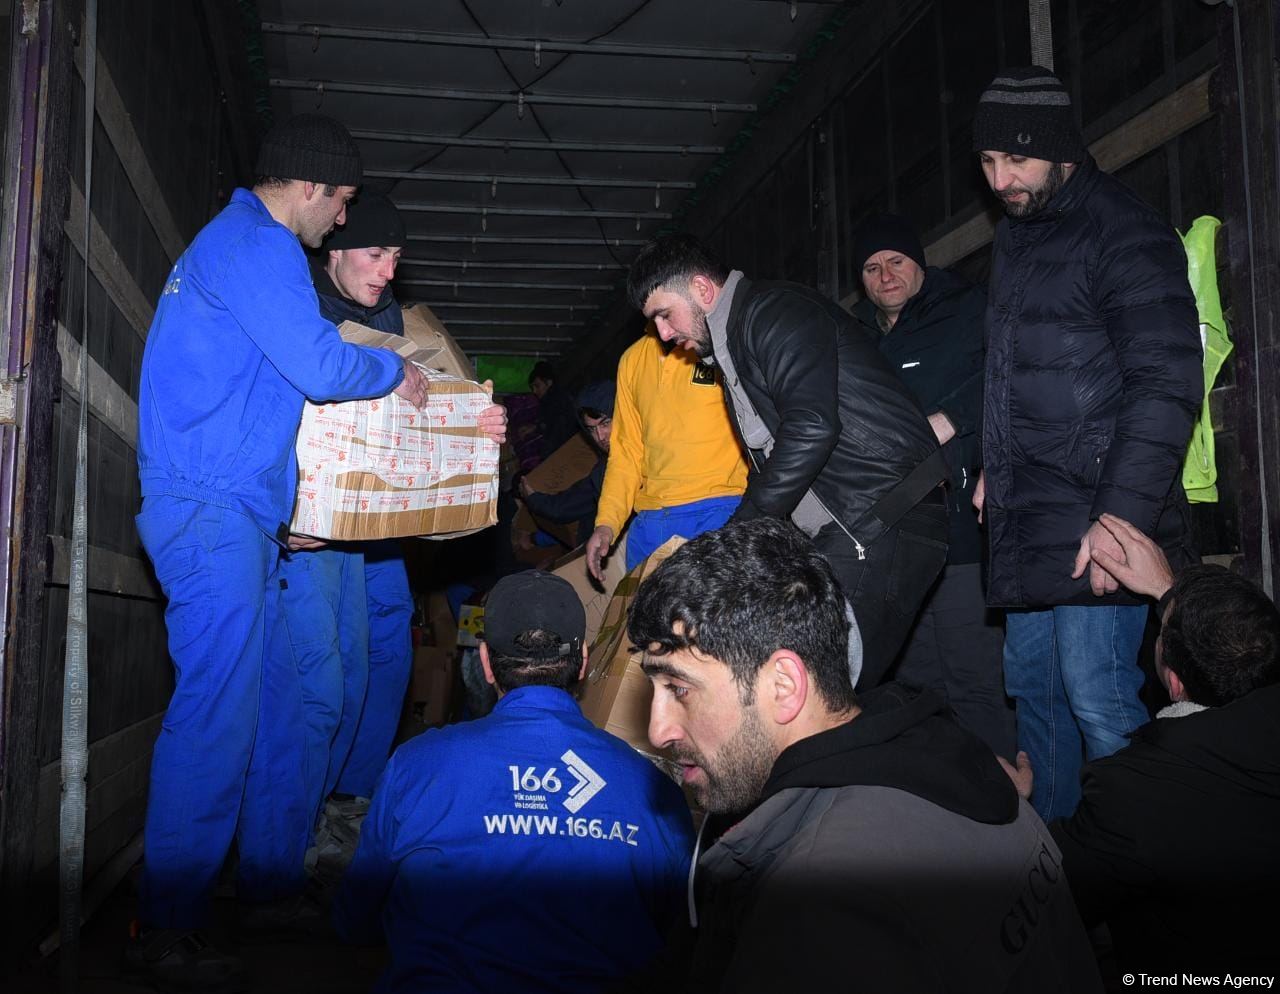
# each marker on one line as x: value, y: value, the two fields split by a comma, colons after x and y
x: 837, y: 442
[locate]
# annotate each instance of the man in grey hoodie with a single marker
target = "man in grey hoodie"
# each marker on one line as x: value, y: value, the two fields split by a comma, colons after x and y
x: 873, y: 843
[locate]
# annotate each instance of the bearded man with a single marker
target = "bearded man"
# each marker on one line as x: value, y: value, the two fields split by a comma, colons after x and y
x: 1093, y: 381
x: 871, y: 843
x: 836, y: 441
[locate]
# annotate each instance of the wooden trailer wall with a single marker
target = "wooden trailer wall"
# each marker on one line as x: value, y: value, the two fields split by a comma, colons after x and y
x: 171, y: 141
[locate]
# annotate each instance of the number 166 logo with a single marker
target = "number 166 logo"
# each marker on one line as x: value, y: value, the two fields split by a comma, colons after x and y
x: 589, y: 782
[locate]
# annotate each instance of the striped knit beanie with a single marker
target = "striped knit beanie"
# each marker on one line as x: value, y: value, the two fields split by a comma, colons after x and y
x: 1027, y: 111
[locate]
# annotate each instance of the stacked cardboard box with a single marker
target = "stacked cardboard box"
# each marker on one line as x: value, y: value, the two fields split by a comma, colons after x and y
x: 595, y: 596
x: 385, y: 469
x: 616, y: 693
x: 570, y: 463
x: 427, y: 332
x: 435, y: 653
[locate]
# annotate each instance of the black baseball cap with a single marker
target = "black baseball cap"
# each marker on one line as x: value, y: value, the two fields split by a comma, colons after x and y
x: 532, y: 601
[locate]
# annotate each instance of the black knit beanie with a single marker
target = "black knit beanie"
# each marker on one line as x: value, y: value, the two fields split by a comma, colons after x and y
x: 372, y: 220
x: 886, y: 232
x: 1027, y: 111
x: 310, y: 147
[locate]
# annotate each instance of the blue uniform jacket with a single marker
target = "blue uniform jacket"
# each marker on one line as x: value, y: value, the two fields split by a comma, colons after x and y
x: 236, y: 345
x: 526, y: 851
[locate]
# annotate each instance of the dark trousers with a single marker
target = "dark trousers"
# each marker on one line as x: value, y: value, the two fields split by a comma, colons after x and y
x: 887, y: 587
x: 957, y: 648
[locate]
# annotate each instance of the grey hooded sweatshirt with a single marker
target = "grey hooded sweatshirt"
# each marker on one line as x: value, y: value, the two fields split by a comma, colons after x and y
x: 889, y: 854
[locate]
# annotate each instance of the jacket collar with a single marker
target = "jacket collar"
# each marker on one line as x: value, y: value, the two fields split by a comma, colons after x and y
x: 938, y: 285
x: 537, y: 698
x: 1074, y: 192
x: 903, y: 739
x: 349, y: 308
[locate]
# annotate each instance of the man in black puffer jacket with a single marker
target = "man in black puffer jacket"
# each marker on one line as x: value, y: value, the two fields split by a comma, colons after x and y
x: 837, y: 442
x: 928, y: 322
x: 1093, y: 380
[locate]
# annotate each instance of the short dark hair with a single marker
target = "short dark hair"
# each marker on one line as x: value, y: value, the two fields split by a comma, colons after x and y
x: 542, y: 370
x: 671, y: 261
x: 740, y: 594
x: 535, y: 670
x: 270, y: 182
x: 1222, y: 635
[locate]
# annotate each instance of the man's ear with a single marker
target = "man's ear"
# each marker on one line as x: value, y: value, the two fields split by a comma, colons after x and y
x: 783, y: 687
x: 1173, y: 683
x: 309, y: 189
x: 704, y: 291
x: 582, y: 673
x: 484, y: 664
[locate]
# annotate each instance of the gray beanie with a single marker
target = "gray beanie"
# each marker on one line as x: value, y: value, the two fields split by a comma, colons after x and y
x: 310, y: 147
x: 1027, y: 111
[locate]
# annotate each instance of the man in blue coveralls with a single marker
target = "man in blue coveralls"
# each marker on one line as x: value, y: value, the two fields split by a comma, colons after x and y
x: 528, y: 850
x: 348, y: 606
x: 236, y: 345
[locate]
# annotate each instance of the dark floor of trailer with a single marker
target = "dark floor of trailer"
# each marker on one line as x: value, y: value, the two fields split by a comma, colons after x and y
x: 305, y: 967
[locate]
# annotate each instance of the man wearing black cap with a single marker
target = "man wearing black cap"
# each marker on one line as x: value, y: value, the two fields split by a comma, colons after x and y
x: 527, y: 850
x: 237, y: 344
x: 928, y: 323
x: 1093, y: 381
x: 348, y: 607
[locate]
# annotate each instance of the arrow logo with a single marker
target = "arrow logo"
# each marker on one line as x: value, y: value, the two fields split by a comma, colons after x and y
x: 589, y: 784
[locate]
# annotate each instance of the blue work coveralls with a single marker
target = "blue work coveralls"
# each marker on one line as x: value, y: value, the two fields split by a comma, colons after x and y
x: 236, y: 344
x: 347, y: 611
x: 524, y: 851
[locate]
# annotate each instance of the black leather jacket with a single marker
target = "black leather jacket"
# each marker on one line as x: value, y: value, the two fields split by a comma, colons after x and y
x: 842, y: 421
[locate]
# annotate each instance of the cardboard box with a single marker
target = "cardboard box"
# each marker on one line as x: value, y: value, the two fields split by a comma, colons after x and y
x: 595, y: 596
x: 434, y: 666
x: 470, y: 625
x: 556, y: 474
x: 616, y: 693
x: 385, y: 469
x: 427, y: 331
x: 564, y: 467
x: 526, y: 521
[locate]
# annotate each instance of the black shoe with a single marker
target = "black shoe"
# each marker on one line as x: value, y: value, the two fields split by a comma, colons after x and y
x: 305, y: 915
x: 177, y: 961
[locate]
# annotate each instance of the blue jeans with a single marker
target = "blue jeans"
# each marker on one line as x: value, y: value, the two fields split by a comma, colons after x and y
x: 651, y: 529
x: 215, y: 772
x: 1074, y: 678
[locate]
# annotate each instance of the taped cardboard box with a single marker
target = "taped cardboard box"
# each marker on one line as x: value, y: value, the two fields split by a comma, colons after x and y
x: 616, y: 693
x: 386, y: 469
x: 594, y: 595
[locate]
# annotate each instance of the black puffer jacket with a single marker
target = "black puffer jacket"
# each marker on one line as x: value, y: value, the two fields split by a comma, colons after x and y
x: 842, y: 421
x: 936, y: 347
x: 1093, y: 382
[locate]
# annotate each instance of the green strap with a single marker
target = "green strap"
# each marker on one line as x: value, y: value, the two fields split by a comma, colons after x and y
x: 1200, y: 470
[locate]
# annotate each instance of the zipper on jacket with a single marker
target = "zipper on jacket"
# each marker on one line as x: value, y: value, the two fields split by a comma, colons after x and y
x: 751, y: 454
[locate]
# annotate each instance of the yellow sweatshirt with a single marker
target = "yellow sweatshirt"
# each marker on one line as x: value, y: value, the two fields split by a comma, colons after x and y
x: 672, y: 442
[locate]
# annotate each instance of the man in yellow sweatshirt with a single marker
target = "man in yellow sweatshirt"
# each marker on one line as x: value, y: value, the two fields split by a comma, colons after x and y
x: 674, y: 458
